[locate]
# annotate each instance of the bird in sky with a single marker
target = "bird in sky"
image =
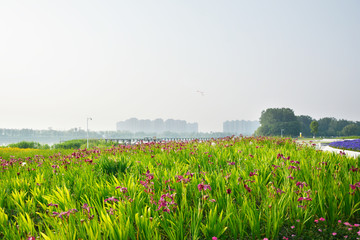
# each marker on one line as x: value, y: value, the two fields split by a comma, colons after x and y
x: 200, y: 92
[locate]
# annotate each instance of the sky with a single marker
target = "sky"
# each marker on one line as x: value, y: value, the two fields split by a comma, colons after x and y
x: 202, y: 61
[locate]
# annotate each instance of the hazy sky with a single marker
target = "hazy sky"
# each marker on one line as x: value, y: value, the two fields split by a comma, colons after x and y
x: 62, y: 61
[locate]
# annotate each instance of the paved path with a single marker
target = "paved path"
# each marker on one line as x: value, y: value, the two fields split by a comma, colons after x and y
x: 323, y: 145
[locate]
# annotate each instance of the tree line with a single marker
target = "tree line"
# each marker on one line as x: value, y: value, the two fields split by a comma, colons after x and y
x: 277, y: 121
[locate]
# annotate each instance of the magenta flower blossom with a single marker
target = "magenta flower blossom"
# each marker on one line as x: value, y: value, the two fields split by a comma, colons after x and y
x: 228, y: 191
x: 252, y: 174
x: 301, y: 184
x: 53, y: 205
x: 322, y: 219
x: 111, y: 199
x: 214, y: 238
x: 122, y: 189
x: 334, y: 233
x: 304, y: 199
x: 203, y: 186
x: 247, y: 187
x: 164, y: 204
x: 60, y: 215
x: 86, y: 207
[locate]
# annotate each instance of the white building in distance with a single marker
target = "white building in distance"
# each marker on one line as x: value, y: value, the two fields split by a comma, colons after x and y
x: 156, y: 126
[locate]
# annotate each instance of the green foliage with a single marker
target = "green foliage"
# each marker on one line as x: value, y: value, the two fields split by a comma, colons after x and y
x: 255, y: 190
x: 82, y: 143
x: 112, y: 165
x: 272, y: 120
x: 305, y: 124
x: 351, y: 130
x: 314, y: 126
x: 25, y: 144
x: 71, y: 144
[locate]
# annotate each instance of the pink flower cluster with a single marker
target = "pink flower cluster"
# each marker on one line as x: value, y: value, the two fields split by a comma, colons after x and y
x: 204, y: 187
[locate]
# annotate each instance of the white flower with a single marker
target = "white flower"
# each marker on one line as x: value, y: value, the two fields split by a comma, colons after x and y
x: 23, y: 163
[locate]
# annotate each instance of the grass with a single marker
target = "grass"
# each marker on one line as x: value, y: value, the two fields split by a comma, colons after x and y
x: 230, y: 188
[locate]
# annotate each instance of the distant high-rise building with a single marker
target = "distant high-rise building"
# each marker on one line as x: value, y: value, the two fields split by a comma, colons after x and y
x: 157, y: 125
x: 240, y: 127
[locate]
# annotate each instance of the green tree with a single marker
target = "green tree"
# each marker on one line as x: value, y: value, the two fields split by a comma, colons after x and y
x: 305, y: 122
x: 314, y: 126
x: 351, y: 130
x: 272, y: 120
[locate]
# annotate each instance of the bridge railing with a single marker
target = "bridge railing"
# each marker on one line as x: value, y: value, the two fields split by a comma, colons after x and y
x: 129, y: 141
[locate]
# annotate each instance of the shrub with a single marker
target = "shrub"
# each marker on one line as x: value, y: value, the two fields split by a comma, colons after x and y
x: 71, y: 144
x: 25, y: 144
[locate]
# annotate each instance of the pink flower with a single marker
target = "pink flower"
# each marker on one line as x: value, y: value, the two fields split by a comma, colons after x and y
x: 53, y: 204
x: 214, y: 238
x: 356, y: 225
x: 265, y: 239
x: 358, y: 233
x: 111, y: 199
x: 322, y: 219
x: 316, y: 220
x: 203, y: 186
x: 319, y: 230
x: 334, y: 233
x: 122, y: 189
x: 300, y: 184
x: 292, y: 227
x: 339, y: 221
x: 247, y: 187
x: 228, y: 191
x: 252, y: 174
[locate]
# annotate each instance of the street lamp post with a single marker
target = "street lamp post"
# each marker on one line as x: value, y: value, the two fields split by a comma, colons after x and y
x: 282, y: 132
x: 87, y: 130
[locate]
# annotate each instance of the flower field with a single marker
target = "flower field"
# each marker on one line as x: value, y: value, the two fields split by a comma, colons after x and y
x: 230, y: 188
x: 347, y: 144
